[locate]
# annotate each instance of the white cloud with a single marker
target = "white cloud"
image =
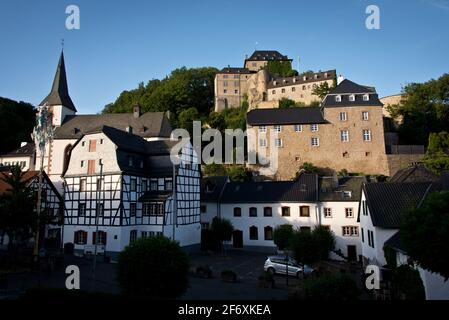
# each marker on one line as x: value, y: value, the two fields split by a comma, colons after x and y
x: 441, y: 4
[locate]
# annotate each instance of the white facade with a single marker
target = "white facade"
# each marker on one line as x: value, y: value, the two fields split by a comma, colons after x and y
x: 24, y: 162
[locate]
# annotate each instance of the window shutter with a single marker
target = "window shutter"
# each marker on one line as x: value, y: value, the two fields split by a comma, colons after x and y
x: 103, y: 237
x: 94, y: 238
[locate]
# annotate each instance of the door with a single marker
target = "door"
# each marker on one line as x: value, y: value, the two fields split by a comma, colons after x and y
x: 352, y: 253
x: 237, y: 239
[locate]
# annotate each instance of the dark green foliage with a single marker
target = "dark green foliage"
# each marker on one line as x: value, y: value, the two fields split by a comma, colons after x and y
x: 239, y: 173
x: 182, y: 89
x: 425, y: 233
x: 338, y: 287
x: 311, y: 247
x: 390, y: 256
x: 186, y: 118
x: 309, y: 168
x: 213, y: 169
x: 437, y: 156
x: 315, y: 104
x: 17, y: 120
x: 408, y: 284
x: 217, y: 121
x: 280, y: 69
x: 282, y: 236
x: 154, y: 267
x: 322, y: 90
x: 222, y: 229
x: 235, y: 118
x: 286, y: 103
x: 425, y: 109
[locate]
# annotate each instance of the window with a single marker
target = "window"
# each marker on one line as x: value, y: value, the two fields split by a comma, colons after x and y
x: 132, y: 209
x: 267, y: 212
x: 237, y: 212
x: 273, y: 92
x: 236, y: 83
x: 153, y: 185
x: 283, y: 90
x: 225, y: 76
x: 83, y: 143
x: 80, y: 237
x: 286, y: 211
x: 350, y: 231
x: 366, y: 97
x: 363, y: 235
x: 365, y: 116
x: 263, y: 143
x: 262, y: 129
x: 236, y: 91
x: 364, y: 208
x: 314, y: 127
x: 347, y: 194
x: 145, y: 209
x: 132, y: 236
x: 298, y: 128
x: 277, y: 128
x: 236, y: 76
x: 130, y: 161
x: 225, y: 83
x: 352, y: 98
x: 81, y: 209
x: 346, y: 154
x: 133, y: 184
x: 254, y: 64
x: 366, y: 135
x: 268, y: 233
x: 315, y: 142
x: 144, y: 185
x: 99, y: 184
x: 253, y: 233
x: 83, y: 184
x: 203, y: 209
x: 337, y: 98
x: 225, y: 91
x: 101, y: 238
x: 168, y: 185
x: 304, y: 211
x: 82, y: 164
x: 344, y: 135
x: 349, y: 213
x: 328, y: 213
x: 101, y: 141
x: 92, y: 145
x: 253, y: 212
x: 144, y: 234
x: 371, y: 239
x: 100, y: 209
x: 343, y: 116
x: 156, y: 209
x: 293, y: 89
x: 91, y: 167
x: 278, y: 143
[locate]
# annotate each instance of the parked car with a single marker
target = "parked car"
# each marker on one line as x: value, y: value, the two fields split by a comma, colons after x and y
x: 277, y: 265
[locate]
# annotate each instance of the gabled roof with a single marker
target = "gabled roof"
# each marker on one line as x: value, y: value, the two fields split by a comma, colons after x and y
x: 302, y: 190
x: 26, y: 150
x: 267, y: 55
x: 330, y: 101
x: 395, y: 242
x: 149, y: 124
x: 347, y: 86
x: 388, y: 201
x: 296, y: 115
x: 59, y: 94
x: 212, y: 188
x: 330, y: 191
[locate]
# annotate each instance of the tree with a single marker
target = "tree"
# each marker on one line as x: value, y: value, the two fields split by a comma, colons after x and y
x: 286, y: 103
x: 217, y: 121
x: 408, y: 284
x: 214, y: 169
x: 424, y: 109
x: 282, y: 236
x: 331, y: 287
x: 186, y: 118
x: 326, y: 240
x: 307, y: 168
x: 322, y: 90
x: 154, y: 267
x: 239, y: 173
x: 425, y: 233
x: 221, y: 230
x: 437, y: 155
x: 312, y: 247
x: 17, y: 120
x: 280, y: 69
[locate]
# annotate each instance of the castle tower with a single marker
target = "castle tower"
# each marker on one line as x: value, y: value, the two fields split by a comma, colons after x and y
x: 59, y: 101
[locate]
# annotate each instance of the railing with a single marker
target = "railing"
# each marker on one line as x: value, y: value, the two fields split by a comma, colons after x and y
x: 405, y: 149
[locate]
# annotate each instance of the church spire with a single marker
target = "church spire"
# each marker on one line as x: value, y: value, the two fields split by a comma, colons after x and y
x: 59, y: 94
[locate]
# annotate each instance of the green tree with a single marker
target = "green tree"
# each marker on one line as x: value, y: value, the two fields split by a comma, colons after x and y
x: 437, y: 155
x: 217, y: 121
x: 186, y: 118
x: 322, y: 90
x: 154, y: 267
x: 312, y: 247
x: 307, y: 167
x: 280, y: 69
x: 282, y: 236
x: 239, y: 173
x: 214, y: 169
x: 408, y: 284
x: 286, y: 103
x: 334, y: 287
x: 425, y: 233
x: 221, y: 230
x: 326, y: 240
x: 17, y: 120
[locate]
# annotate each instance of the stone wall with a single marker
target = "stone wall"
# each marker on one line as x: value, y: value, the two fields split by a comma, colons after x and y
x: 396, y: 162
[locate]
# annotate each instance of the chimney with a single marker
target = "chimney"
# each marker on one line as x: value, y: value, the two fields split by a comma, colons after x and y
x: 136, y: 111
x: 335, y: 183
x: 340, y: 79
x: 23, y: 144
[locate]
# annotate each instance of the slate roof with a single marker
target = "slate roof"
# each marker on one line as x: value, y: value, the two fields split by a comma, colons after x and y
x: 417, y: 173
x: 388, y: 201
x: 329, y: 191
x: 26, y: 150
x: 59, y: 94
x: 149, y: 124
x: 155, y: 196
x: 303, y: 190
x: 266, y: 55
x: 299, y: 115
x: 288, y: 81
x: 395, y: 242
x: 212, y: 188
x: 233, y: 70
x: 347, y: 86
x: 329, y: 101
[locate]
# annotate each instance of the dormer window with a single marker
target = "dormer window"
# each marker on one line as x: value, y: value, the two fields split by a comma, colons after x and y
x: 338, y: 98
x: 275, y: 83
x: 316, y: 76
x: 305, y: 78
x: 130, y: 161
x: 325, y: 74
x: 129, y: 129
x: 294, y: 80
x: 352, y: 98
x: 366, y: 97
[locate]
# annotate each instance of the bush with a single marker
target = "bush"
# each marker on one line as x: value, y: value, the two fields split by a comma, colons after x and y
x: 155, y: 267
x: 282, y: 236
x: 228, y: 276
x: 311, y: 247
x: 408, y: 284
x: 331, y: 287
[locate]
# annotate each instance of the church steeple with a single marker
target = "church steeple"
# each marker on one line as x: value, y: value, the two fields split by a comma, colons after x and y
x: 59, y: 95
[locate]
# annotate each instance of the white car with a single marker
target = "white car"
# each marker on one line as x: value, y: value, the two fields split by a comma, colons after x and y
x: 278, y: 265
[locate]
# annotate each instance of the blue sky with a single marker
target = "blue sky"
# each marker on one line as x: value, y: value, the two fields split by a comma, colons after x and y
x: 122, y: 43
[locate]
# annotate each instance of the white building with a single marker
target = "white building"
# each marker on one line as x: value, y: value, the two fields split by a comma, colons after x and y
x: 128, y: 182
x: 257, y: 208
x: 24, y: 157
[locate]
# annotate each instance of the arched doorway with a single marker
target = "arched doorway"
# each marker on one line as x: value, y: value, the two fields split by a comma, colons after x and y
x: 237, y: 239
